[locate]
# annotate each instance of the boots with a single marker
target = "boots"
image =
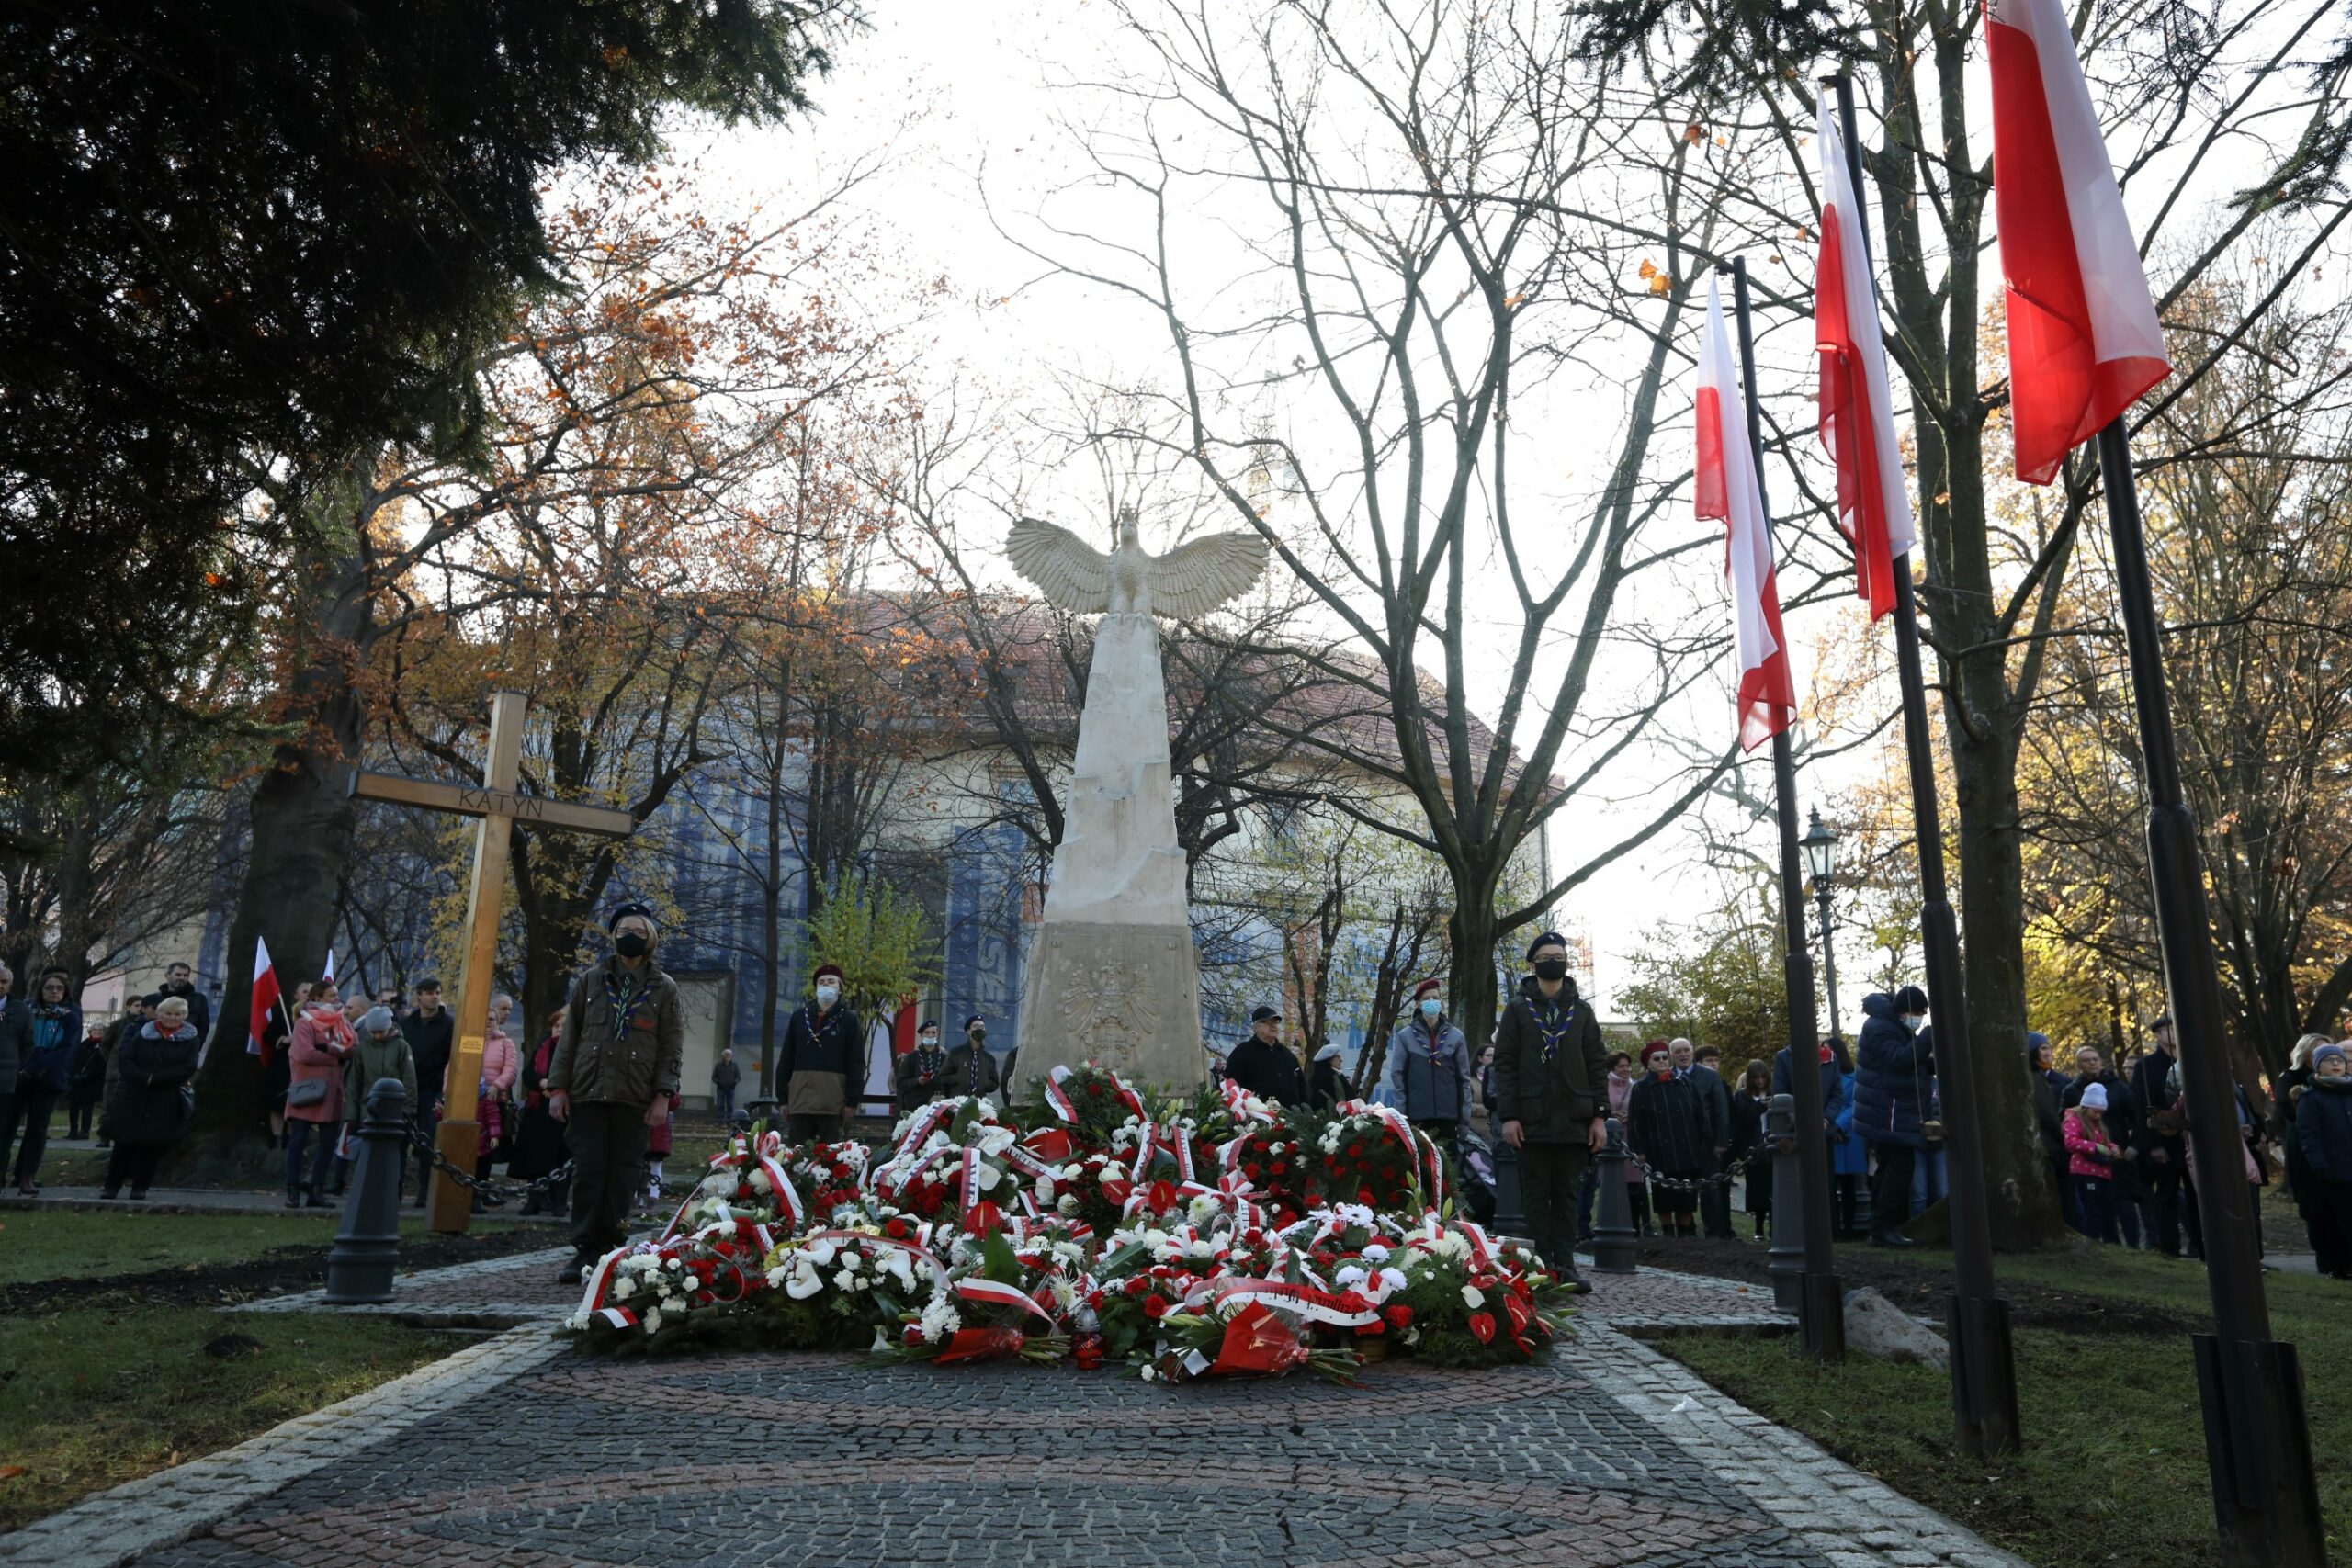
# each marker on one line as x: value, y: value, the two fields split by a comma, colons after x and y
x: 312, y: 1198
x: 293, y: 1194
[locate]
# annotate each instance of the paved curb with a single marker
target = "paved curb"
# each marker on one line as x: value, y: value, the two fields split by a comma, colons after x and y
x: 484, y: 1313
x: 1804, y: 1487
x: 172, y: 1505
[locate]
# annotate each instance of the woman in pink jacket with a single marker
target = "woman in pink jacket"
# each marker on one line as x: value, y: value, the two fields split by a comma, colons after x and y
x: 2091, y: 1156
x: 501, y: 1064
x: 316, y: 1049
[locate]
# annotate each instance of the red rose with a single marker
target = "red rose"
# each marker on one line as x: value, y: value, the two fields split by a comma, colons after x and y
x: 1481, y: 1324
x: 1137, y: 1285
x: 914, y: 1334
x: 1155, y: 1305
x: 1253, y: 1172
x: 841, y: 1173
x: 1279, y: 1168
x: 1363, y: 1196
x: 896, y: 1228
x: 1400, y: 1318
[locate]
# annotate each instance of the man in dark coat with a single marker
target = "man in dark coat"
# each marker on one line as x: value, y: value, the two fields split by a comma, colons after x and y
x: 1893, y: 1066
x: 615, y: 1067
x: 971, y: 1067
x: 821, y: 1067
x: 1714, y: 1199
x: 1265, y: 1066
x: 179, y: 981
x: 2164, y: 1154
x: 1551, y: 1094
x: 430, y: 1030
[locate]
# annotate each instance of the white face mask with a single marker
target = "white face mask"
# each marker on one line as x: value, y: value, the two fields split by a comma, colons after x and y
x: 931, y: 1042
x: 1912, y: 1021
x: 1431, y: 1007
x: 826, y: 995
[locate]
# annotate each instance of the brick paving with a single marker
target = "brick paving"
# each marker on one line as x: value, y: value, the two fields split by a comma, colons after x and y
x: 532, y: 1456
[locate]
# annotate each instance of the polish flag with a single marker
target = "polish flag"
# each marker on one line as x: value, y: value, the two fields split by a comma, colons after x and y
x: 1726, y: 488
x: 264, y: 997
x: 2083, y: 340
x: 1856, y: 406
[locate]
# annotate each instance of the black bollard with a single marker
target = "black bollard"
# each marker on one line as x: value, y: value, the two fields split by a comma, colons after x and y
x: 1614, y: 1239
x: 1787, y: 1267
x: 1510, y: 1213
x: 368, y: 1241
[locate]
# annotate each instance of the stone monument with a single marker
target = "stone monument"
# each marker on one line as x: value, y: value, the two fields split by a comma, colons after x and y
x: 1113, y: 976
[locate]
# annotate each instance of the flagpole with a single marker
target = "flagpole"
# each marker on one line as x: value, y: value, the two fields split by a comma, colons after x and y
x: 1984, y: 1363
x: 2257, y: 1438
x: 1822, y: 1303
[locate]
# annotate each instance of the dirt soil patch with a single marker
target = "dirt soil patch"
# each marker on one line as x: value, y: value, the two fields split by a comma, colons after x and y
x: 1918, y: 1282
x: 283, y: 1270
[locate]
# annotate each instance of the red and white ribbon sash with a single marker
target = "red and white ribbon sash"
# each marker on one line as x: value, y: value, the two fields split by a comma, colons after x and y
x: 1346, y: 1311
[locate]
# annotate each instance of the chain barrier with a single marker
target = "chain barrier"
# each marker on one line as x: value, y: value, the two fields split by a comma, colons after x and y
x: 493, y: 1194
x: 1763, y: 1151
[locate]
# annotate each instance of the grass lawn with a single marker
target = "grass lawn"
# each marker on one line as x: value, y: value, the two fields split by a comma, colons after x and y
x: 58, y: 1244
x: 95, y: 1397
x: 2113, y: 1469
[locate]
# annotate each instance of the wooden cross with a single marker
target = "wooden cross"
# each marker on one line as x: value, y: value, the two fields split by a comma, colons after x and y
x: 500, y: 808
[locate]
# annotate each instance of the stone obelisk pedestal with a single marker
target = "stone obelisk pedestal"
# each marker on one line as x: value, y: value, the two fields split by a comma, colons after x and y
x: 1113, y: 977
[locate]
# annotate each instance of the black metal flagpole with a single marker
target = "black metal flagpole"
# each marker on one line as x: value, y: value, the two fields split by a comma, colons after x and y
x: 1984, y: 1365
x: 2257, y: 1440
x: 1821, y: 1312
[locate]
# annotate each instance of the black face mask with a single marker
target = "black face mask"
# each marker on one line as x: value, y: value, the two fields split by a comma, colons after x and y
x: 1551, y: 968
x: 631, y: 944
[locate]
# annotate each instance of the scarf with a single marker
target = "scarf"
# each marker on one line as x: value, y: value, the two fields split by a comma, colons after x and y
x: 1553, y: 1023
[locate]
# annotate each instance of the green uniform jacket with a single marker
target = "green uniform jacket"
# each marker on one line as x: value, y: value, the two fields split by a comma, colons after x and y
x: 594, y: 1066
x: 1555, y: 1102
x: 372, y: 1060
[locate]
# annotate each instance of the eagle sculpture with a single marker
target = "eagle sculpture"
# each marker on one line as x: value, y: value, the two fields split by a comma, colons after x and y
x: 1185, y: 584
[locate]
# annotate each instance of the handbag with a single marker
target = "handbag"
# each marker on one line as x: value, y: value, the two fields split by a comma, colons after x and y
x: 309, y: 1091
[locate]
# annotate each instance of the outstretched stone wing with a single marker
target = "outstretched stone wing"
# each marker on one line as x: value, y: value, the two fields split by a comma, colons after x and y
x: 1194, y: 579
x: 1072, y: 573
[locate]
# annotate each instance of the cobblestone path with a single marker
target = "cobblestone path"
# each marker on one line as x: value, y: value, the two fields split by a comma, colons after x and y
x: 522, y: 1454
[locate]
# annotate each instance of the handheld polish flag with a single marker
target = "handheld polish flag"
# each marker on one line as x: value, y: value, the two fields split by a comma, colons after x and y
x: 329, y: 974
x: 264, y: 997
x: 2084, y: 341
x: 1726, y: 488
x: 1856, y: 404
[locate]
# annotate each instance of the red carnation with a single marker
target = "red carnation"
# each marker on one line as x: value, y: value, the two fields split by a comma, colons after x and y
x: 896, y: 1228
x: 1279, y: 1167
x: 1481, y: 1324
x: 1400, y: 1318
x: 914, y: 1334
x: 1363, y: 1196
x: 1155, y: 1305
x: 841, y: 1173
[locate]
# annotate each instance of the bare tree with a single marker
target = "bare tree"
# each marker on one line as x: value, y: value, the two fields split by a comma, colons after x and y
x: 1414, y: 285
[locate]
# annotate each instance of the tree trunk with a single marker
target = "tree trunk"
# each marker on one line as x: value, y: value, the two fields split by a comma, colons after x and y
x: 303, y: 817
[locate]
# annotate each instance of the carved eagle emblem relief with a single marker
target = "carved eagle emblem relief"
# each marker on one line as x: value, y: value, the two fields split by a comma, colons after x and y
x: 1185, y: 584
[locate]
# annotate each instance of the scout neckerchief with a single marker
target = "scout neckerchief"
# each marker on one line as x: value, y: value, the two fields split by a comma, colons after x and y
x: 821, y: 1025
x: 973, y: 1048
x: 627, y: 998
x: 1553, y: 1023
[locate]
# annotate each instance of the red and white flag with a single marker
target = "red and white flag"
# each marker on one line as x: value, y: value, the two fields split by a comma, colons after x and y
x: 1726, y: 488
x: 264, y: 997
x: 1856, y: 403
x: 2084, y: 341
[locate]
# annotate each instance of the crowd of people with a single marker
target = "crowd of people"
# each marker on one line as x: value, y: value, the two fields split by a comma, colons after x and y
x: 599, y: 1091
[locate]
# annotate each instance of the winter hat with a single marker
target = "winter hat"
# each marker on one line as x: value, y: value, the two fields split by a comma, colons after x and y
x: 622, y: 912
x: 1655, y: 1048
x: 2094, y: 1097
x: 1910, y: 998
x: 377, y: 1019
x: 825, y: 969
x: 1264, y: 1015
x: 1331, y: 1052
x: 1549, y: 939
x: 1427, y: 988
x: 2325, y: 1051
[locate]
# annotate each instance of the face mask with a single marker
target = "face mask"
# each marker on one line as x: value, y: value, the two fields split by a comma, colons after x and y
x: 1551, y: 968
x: 931, y: 1042
x: 1431, y: 1007
x: 1912, y: 1021
x: 631, y: 944
x: 825, y: 995
x: 979, y: 1032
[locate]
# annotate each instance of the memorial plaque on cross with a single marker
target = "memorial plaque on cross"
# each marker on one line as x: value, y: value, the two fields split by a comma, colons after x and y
x: 495, y: 802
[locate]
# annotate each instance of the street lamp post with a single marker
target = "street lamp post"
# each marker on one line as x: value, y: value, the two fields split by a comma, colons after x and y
x: 1820, y: 846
